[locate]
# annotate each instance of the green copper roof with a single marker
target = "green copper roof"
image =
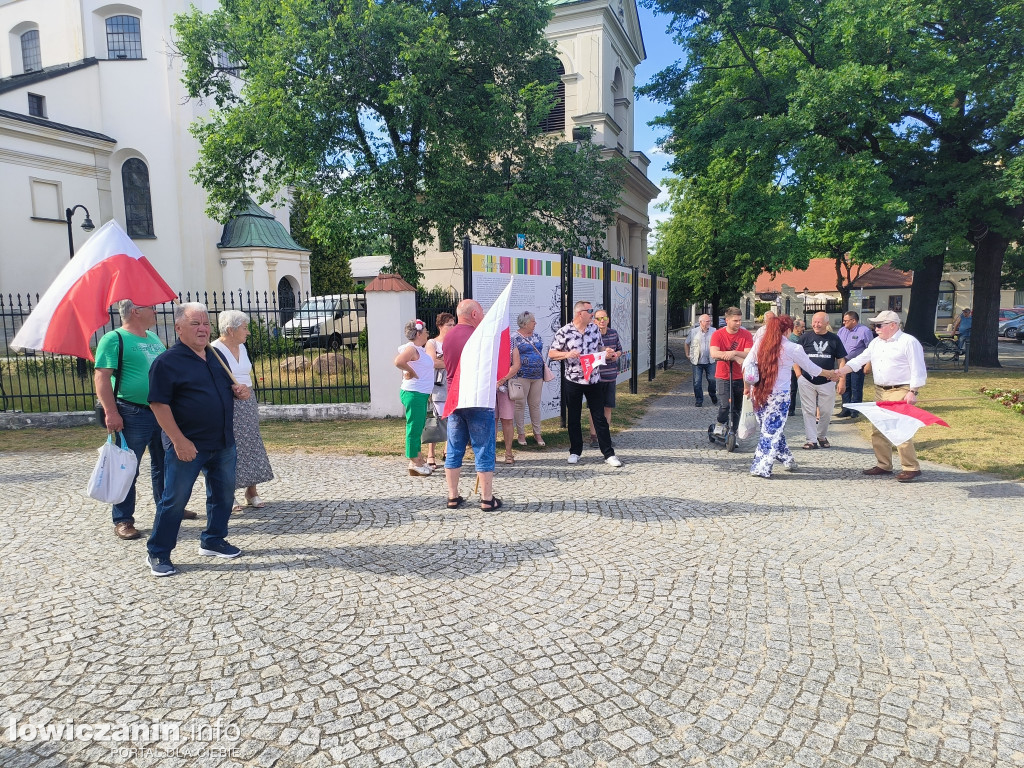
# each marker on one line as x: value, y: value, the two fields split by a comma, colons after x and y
x: 253, y: 227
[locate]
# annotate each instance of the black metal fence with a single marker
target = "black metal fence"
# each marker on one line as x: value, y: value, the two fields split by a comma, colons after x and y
x: 296, y: 360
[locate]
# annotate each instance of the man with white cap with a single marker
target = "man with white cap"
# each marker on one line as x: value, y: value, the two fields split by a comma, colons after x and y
x: 897, y: 365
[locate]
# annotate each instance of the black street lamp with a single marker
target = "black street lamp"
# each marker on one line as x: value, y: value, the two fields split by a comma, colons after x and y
x: 87, y: 225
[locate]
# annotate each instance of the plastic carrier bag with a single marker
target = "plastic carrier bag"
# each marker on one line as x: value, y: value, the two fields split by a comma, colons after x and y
x: 114, y: 472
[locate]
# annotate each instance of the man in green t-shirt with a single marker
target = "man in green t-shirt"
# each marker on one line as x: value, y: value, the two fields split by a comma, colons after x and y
x: 128, y: 412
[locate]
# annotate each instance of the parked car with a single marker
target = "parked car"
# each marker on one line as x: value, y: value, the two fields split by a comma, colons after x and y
x: 1009, y: 314
x: 328, y: 321
x: 1020, y: 334
x: 1008, y: 328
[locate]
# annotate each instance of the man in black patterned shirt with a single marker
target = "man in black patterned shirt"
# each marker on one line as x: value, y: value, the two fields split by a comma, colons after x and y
x: 578, y: 338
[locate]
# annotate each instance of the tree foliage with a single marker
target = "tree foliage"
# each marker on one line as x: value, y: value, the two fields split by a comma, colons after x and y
x: 408, y: 118
x: 922, y: 93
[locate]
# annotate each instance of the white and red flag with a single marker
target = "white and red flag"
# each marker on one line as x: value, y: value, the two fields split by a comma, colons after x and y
x: 108, y: 268
x: 590, y: 362
x: 485, y: 359
x: 897, y: 420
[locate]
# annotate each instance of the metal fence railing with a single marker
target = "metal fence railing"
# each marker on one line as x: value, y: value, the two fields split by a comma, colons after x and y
x: 290, y: 366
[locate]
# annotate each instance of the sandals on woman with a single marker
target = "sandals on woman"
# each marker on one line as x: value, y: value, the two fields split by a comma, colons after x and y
x: 510, y: 457
x: 455, y: 503
x: 540, y: 441
x: 809, y: 446
x: 432, y: 464
x: 255, y: 501
x: 489, y: 505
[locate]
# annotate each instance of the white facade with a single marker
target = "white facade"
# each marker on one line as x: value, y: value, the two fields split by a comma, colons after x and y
x: 100, y: 108
x: 599, y: 44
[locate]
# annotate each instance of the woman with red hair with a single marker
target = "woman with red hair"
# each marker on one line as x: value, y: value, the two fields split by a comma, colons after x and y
x: 775, y: 355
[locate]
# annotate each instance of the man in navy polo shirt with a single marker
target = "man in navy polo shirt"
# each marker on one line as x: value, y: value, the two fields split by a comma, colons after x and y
x: 190, y: 393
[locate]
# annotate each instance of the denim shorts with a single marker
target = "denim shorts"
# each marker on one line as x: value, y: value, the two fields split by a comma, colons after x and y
x: 471, y: 426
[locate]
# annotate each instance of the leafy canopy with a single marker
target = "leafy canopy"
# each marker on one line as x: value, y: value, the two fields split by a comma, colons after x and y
x: 408, y: 118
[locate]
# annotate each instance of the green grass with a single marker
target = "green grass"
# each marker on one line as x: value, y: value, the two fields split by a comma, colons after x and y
x: 984, y: 435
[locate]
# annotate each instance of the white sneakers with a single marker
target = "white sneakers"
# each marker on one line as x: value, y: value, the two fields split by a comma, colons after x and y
x: 611, y: 461
x: 719, y: 429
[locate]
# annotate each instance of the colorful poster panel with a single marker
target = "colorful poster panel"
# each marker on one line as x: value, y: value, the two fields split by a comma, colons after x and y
x: 661, y: 326
x: 622, y: 317
x: 537, y: 289
x: 644, y: 319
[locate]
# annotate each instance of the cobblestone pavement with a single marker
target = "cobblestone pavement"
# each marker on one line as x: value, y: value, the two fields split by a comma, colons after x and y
x: 674, y: 612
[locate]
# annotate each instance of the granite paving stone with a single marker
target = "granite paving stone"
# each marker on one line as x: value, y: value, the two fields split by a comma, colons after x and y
x: 673, y: 612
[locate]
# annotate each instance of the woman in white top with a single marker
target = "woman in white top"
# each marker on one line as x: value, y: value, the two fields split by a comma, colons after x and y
x: 435, y: 348
x: 775, y: 354
x: 417, y: 366
x: 252, y: 465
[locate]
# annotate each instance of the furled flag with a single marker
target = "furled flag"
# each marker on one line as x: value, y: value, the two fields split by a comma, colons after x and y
x: 898, y: 421
x: 485, y: 359
x: 108, y: 268
x: 590, y: 362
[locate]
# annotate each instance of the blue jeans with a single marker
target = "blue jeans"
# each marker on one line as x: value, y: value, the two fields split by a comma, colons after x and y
x: 703, y: 371
x: 179, y: 477
x: 140, y: 432
x: 854, y: 392
x: 471, y: 426
x: 595, y: 394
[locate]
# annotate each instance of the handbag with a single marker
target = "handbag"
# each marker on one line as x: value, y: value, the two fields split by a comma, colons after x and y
x: 751, y: 373
x: 516, y: 390
x: 114, y: 473
x: 549, y: 375
x: 748, y: 426
x: 435, y: 430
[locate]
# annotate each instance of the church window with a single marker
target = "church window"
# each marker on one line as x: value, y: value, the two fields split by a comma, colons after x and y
x: 555, y: 121
x: 138, y: 207
x: 31, y: 53
x: 124, y: 38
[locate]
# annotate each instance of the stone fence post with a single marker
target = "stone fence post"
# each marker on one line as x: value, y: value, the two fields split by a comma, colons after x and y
x: 390, y: 304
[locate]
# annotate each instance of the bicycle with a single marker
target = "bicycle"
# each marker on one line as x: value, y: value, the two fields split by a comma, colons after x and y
x: 947, y: 349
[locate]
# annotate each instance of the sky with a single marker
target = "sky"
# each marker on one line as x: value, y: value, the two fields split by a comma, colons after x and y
x: 662, y: 52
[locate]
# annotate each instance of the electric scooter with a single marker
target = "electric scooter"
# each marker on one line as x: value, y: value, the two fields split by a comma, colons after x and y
x: 728, y: 439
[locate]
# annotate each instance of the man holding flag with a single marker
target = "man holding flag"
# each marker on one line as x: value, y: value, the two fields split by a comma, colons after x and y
x: 581, y: 346
x: 477, y: 353
x: 898, y: 368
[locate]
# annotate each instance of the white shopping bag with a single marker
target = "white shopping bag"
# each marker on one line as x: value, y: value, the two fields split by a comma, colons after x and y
x: 114, y: 472
x: 748, y: 421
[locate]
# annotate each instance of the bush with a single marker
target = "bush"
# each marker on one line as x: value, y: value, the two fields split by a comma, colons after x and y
x: 266, y: 340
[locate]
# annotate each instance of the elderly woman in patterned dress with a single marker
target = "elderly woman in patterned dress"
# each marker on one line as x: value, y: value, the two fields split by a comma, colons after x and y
x: 252, y: 465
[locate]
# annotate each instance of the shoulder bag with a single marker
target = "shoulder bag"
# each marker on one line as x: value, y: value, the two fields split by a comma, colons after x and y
x: 549, y: 375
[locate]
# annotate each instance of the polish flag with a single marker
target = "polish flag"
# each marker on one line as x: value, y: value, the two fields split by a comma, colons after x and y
x: 590, y: 362
x: 484, y: 360
x: 108, y: 268
x: 898, y: 421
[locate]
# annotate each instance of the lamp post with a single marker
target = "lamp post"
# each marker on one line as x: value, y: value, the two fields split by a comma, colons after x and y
x: 87, y: 225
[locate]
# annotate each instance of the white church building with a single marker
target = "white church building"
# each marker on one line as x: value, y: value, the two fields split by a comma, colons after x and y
x: 94, y: 120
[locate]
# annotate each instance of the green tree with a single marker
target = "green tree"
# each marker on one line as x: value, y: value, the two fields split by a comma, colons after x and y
x: 406, y: 117
x: 727, y: 226
x: 925, y: 89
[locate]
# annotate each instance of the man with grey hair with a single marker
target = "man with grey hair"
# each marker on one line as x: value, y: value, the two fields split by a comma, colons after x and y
x: 698, y: 350
x: 190, y: 392
x: 123, y: 359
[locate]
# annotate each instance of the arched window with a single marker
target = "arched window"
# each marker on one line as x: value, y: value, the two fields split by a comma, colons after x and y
x: 947, y: 300
x: 124, y: 38
x: 138, y: 208
x: 31, y: 53
x: 555, y: 121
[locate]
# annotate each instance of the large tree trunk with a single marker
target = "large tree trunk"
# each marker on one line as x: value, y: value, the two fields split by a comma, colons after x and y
x: 924, y: 295
x: 989, y: 252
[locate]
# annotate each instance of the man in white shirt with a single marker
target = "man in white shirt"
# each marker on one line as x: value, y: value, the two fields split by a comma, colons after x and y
x: 898, y: 368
